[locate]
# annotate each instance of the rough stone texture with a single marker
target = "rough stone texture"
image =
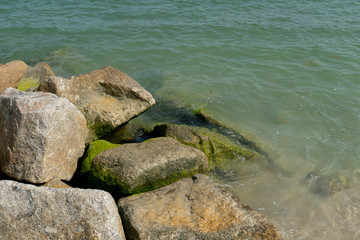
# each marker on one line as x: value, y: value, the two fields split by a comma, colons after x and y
x: 30, y: 212
x: 222, y: 150
x: 11, y: 73
x: 35, y: 75
x: 56, y: 184
x: 139, y: 167
x: 106, y: 97
x: 41, y: 136
x: 194, y: 208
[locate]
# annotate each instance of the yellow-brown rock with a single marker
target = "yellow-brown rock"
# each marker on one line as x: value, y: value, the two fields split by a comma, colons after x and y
x: 11, y: 74
x: 193, y: 208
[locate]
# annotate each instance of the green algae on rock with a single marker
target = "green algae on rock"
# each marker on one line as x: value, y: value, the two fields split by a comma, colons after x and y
x: 139, y: 167
x: 35, y: 75
x: 219, y: 149
x: 94, y: 149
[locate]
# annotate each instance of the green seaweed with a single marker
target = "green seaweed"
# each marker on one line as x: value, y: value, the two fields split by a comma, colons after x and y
x: 94, y: 149
x: 27, y: 83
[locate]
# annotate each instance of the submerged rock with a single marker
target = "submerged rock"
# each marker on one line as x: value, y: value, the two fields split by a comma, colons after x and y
x: 34, y: 76
x: 326, y: 184
x: 41, y: 136
x: 196, y: 208
x: 29, y: 212
x: 139, y: 167
x: 11, y: 73
x: 107, y: 97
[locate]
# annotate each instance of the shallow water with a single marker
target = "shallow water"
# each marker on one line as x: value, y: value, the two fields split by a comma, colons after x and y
x: 286, y: 73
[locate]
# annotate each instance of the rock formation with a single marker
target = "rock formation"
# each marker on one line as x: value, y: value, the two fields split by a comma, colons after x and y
x: 41, y: 136
x: 30, y: 212
x: 192, y: 208
x: 106, y: 97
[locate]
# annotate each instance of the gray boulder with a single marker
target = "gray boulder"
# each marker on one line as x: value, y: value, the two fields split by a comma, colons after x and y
x: 41, y: 136
x: 30, y: 212
x: 139, y: 167
x: 194, y: 208
x: 11, y: 74
x: 107, y: 97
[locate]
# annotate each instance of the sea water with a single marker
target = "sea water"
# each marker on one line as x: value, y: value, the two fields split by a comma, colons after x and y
x: 284, y: 72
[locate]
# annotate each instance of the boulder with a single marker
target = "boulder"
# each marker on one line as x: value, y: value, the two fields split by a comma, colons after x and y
x: 223, y: 151
x: 11, y: 73
x: 30, y: 212
x: 41, y: 136
x: 192, y: 208
x: 35, y: 75
x: 107, y: 97
x: 139, y: 167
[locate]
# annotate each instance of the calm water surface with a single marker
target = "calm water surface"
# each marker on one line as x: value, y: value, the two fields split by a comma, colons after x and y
x: 284, y: 72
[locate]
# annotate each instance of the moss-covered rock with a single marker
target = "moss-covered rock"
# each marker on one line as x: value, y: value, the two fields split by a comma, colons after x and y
x: 221, y: 150
x: 34, y: 76
x: 140, y: 167
x: 94, y: 149
x: 27, y: 83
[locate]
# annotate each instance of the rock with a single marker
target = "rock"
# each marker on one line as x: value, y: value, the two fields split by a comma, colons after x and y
x: 94, y: 149
x: 56, y: 184
x: 11, y: 73
x: 30, y: 212
x: 128, y: 133
x: 221, y: 150
x: 107, y: 97
x: 41, y: 136
x: 139, y: 167
x: 328, y: 183
x: 35, y: 75
x: 196, y: 208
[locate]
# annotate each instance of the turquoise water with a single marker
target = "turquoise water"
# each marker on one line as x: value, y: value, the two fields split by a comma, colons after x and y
x: 284, y: 72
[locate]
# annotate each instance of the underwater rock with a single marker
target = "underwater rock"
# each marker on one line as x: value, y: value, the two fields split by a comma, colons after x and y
x: 30, y: 212
x: 192, y: 208
x: 41, y: 136
x: 325, y: 184
x: 140, y: 167
x: 11, y: 73
x: 107, y: 97
x: 34, y: 76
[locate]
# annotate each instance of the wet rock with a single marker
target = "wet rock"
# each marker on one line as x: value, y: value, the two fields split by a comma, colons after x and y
x: 35, y: 75
x: 11, y: 73
x: 30, y: 212
x: 220, y: 149
x: 41, y: 136
x: 139, y: 167
x: 129, y: 133
x: 327, y: 183
x: 196, y: 208
x: 107, y: 97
